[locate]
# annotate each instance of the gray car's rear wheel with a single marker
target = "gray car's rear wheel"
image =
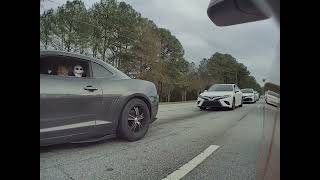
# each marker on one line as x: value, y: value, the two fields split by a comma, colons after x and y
x: 134, y: 121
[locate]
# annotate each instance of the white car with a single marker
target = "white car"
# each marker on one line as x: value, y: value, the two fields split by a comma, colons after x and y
x: 220, y: 95
x: 248, y: 95
x: 272, y: 98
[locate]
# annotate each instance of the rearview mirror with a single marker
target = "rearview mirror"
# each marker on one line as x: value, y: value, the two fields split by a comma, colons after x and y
x: 205, y: 90
x: 231, y: 12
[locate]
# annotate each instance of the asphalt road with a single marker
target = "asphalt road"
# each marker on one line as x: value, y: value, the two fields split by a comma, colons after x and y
x: 180, y: 134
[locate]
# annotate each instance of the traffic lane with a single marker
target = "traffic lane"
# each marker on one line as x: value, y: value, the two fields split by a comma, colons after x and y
x: 165, y: 147
x: 238, y: 155
x: 72, y: 154
x: 166, y: 114
x: 175, y: 112
x: 153, y: 133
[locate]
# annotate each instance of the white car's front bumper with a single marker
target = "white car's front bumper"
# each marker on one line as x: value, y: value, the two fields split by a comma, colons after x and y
x: 225, y: 102
x: 249, y: 99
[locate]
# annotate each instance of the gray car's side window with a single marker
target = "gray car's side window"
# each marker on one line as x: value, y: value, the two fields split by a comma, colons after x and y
x: 100, y: 71
x: 64, y: 66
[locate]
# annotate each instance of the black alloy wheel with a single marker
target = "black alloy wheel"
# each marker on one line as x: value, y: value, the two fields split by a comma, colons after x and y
x: 134, y: 121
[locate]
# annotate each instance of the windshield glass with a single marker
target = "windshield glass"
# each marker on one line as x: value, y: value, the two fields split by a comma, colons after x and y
x: 160, y: 79
x: 247, y: 90
x: 221, y: 87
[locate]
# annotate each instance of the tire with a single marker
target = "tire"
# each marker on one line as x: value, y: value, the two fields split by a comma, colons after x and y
x: 241, y: 104
x: 202, y: 108
x: 134, y: 121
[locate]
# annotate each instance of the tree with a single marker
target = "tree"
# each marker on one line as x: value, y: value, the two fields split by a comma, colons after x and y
x: 183, y: 78
x: 145, y: 54
x: 95, y: 34
x: 192, y: 80
x: 242, y: 73
x: 171, y: 54
x: 250, y: 82
x: 82, y: 29
x: 223, y: 68
x: 272, y: 87
x: 70, y: 26
x: 47, y: 27
x: 104, y: 14
x: 205, y: 77
x: 128, y: 27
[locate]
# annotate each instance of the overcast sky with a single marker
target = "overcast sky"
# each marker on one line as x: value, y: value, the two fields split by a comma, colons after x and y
x: 253, y: 44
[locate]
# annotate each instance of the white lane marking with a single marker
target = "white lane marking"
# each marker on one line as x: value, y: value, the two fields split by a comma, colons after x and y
x: 185, y: 169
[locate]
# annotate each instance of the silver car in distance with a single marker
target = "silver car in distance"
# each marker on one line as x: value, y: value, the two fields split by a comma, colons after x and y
x: 248, y: 95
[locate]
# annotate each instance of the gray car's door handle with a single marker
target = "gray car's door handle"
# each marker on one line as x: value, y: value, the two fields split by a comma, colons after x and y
x: 90, y: 88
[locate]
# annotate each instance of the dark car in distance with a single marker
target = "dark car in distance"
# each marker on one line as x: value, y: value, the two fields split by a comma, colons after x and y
x: 84, y: 99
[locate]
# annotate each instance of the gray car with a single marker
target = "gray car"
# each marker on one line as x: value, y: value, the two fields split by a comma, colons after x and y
x: 84, y: 99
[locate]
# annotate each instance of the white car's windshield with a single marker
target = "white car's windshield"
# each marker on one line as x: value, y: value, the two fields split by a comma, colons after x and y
x: 221, y: 87
x: 247, y: 90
